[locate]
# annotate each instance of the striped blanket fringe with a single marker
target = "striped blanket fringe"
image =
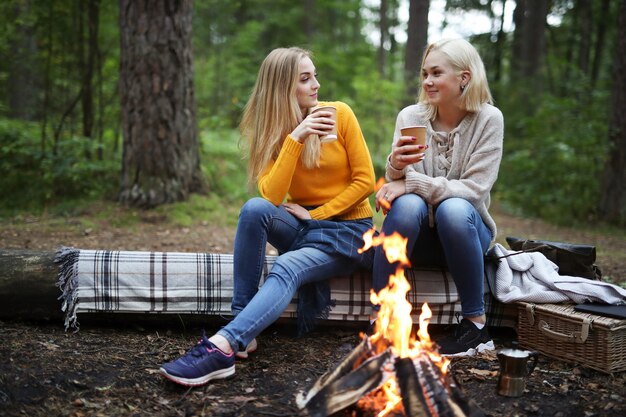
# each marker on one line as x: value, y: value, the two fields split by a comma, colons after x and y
x: 67, y: 259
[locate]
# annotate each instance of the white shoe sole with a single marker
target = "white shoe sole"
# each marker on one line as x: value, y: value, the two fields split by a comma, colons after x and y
x: 472, y: 352
x: 194, y: 382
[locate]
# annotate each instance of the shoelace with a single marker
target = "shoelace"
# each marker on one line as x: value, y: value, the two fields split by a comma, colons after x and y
x: 199, y: 350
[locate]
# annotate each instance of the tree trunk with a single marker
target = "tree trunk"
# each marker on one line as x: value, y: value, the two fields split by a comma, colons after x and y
x: 383, y: 28
x: 586, y: 33
x: 87, y: 66
x: 529, y: 50
x: 161, y: 161
x: 613, y: 201
x: 499, y: 48
x: 23, y: 67
x: 47, y: 79
x: 534, y: 43
x: 529, y: 38
x: 600, y: 40
x: 309, y: 13
x: 519, y: 20
x: 417, y: 37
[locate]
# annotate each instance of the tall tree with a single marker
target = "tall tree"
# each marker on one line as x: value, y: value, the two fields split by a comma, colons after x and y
x: 613, y: 201
x: 586, y: 34
x: 529, y: 51
x: 499, y: 47
x: 87, y: 60
x: 161, y: 161
x: 23, y: 76
x: 600, y: 41
x: 417, y: 37
x: 529, y: 39
x: 383, y: 28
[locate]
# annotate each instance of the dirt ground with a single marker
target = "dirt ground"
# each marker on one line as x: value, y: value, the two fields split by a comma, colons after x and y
x: 109, y: 367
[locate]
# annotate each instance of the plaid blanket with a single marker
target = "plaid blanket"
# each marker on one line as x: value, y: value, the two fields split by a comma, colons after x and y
x: 202, y: 283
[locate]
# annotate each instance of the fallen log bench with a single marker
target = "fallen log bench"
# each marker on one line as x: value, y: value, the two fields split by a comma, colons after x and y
x: 62, y: 284
x: 28, y: 285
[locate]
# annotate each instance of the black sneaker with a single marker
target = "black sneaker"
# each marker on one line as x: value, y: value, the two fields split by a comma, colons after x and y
x: 467, y: 340
x: 203, y: 363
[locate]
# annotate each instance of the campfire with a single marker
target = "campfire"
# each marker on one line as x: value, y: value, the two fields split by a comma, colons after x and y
x: 393, y: 372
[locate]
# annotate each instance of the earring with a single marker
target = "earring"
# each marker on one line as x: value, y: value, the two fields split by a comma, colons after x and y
x: 462, y: 87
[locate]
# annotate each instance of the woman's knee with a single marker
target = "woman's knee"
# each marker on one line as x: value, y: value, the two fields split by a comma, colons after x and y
x: 455, y: 212
x: 407, y: 210
x: 255, y: 207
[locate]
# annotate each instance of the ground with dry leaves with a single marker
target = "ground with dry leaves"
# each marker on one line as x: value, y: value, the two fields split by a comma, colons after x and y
x: 109, y: 367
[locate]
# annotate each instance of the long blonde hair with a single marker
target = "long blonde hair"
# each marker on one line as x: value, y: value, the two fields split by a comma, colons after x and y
x: 272, y: 111
x: 462, y: 57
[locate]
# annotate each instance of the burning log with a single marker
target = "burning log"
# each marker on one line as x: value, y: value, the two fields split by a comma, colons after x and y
x: 426, y: 391
x: 361, y: 372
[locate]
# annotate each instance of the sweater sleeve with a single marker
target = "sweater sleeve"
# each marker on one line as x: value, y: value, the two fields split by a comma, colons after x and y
x: 362, y: 174
x: 275, y: 181
x: 479, y: 169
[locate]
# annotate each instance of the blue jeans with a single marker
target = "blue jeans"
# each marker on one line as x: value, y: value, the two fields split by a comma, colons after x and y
x: 458, y: 242
x: 255, y: 309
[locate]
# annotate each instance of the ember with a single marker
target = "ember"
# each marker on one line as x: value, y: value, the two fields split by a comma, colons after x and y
x: 393, y: 371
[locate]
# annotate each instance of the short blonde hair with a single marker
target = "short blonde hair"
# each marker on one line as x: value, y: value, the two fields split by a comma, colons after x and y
x: 462, y: 56
x: 272, y: 111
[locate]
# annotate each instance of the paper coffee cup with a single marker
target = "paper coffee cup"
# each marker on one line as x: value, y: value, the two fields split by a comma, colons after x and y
x: 418, y: 132
x: 332, y: 135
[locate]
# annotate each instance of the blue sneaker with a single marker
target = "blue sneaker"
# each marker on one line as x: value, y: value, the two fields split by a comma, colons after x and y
x: 203, y: 363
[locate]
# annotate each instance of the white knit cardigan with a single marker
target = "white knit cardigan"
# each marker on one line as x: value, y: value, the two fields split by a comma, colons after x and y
x: 463, y: 163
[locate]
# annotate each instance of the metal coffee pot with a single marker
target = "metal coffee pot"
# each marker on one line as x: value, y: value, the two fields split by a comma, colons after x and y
x: 515, y: 366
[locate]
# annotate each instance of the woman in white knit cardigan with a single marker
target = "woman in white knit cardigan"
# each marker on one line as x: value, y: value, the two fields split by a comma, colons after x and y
x: 439, y: 194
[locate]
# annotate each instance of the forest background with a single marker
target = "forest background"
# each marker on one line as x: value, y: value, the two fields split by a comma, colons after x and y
x: 137, y: 102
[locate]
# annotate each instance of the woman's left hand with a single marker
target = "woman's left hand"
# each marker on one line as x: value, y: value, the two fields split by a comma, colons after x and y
x: 389, y: 192
x: 297, y: 211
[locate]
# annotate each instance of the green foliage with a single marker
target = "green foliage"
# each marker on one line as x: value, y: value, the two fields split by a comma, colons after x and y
x: 199, y: 209
x: 222, y: 164
x: 553, y: 159
x: 33, y: 176
x: 376, y: 113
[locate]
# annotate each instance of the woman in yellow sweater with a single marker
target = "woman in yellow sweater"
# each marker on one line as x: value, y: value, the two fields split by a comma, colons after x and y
x: 313, y: 209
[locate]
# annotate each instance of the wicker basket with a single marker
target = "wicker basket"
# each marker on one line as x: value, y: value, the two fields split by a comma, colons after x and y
x: 558, y: 331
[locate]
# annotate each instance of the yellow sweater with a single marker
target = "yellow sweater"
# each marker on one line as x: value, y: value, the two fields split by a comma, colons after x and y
x: 339, y: 187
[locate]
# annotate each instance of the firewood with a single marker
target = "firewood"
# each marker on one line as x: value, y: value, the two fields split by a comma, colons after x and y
x: 426, y: 391
x: 345, y: 385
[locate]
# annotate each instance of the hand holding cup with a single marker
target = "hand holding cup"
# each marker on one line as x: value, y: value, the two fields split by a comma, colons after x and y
x: 332, y: 134
x: 417, y: 132
x: 410, y: 147
x: 320, y: 122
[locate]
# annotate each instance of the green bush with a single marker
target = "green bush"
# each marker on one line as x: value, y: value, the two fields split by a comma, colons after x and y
x: 34, y: 176
x: 222, y: 164
x: 554, y: 160
x: 376, y: 113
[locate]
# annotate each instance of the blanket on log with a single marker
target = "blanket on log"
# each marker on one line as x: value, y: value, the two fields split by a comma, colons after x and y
x: 202, y: 283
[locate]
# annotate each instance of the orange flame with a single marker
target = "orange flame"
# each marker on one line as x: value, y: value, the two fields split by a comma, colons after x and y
x: 386, y: 205
x: 394, y: 322
x: 394, y: 246
x: 379, y: 184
